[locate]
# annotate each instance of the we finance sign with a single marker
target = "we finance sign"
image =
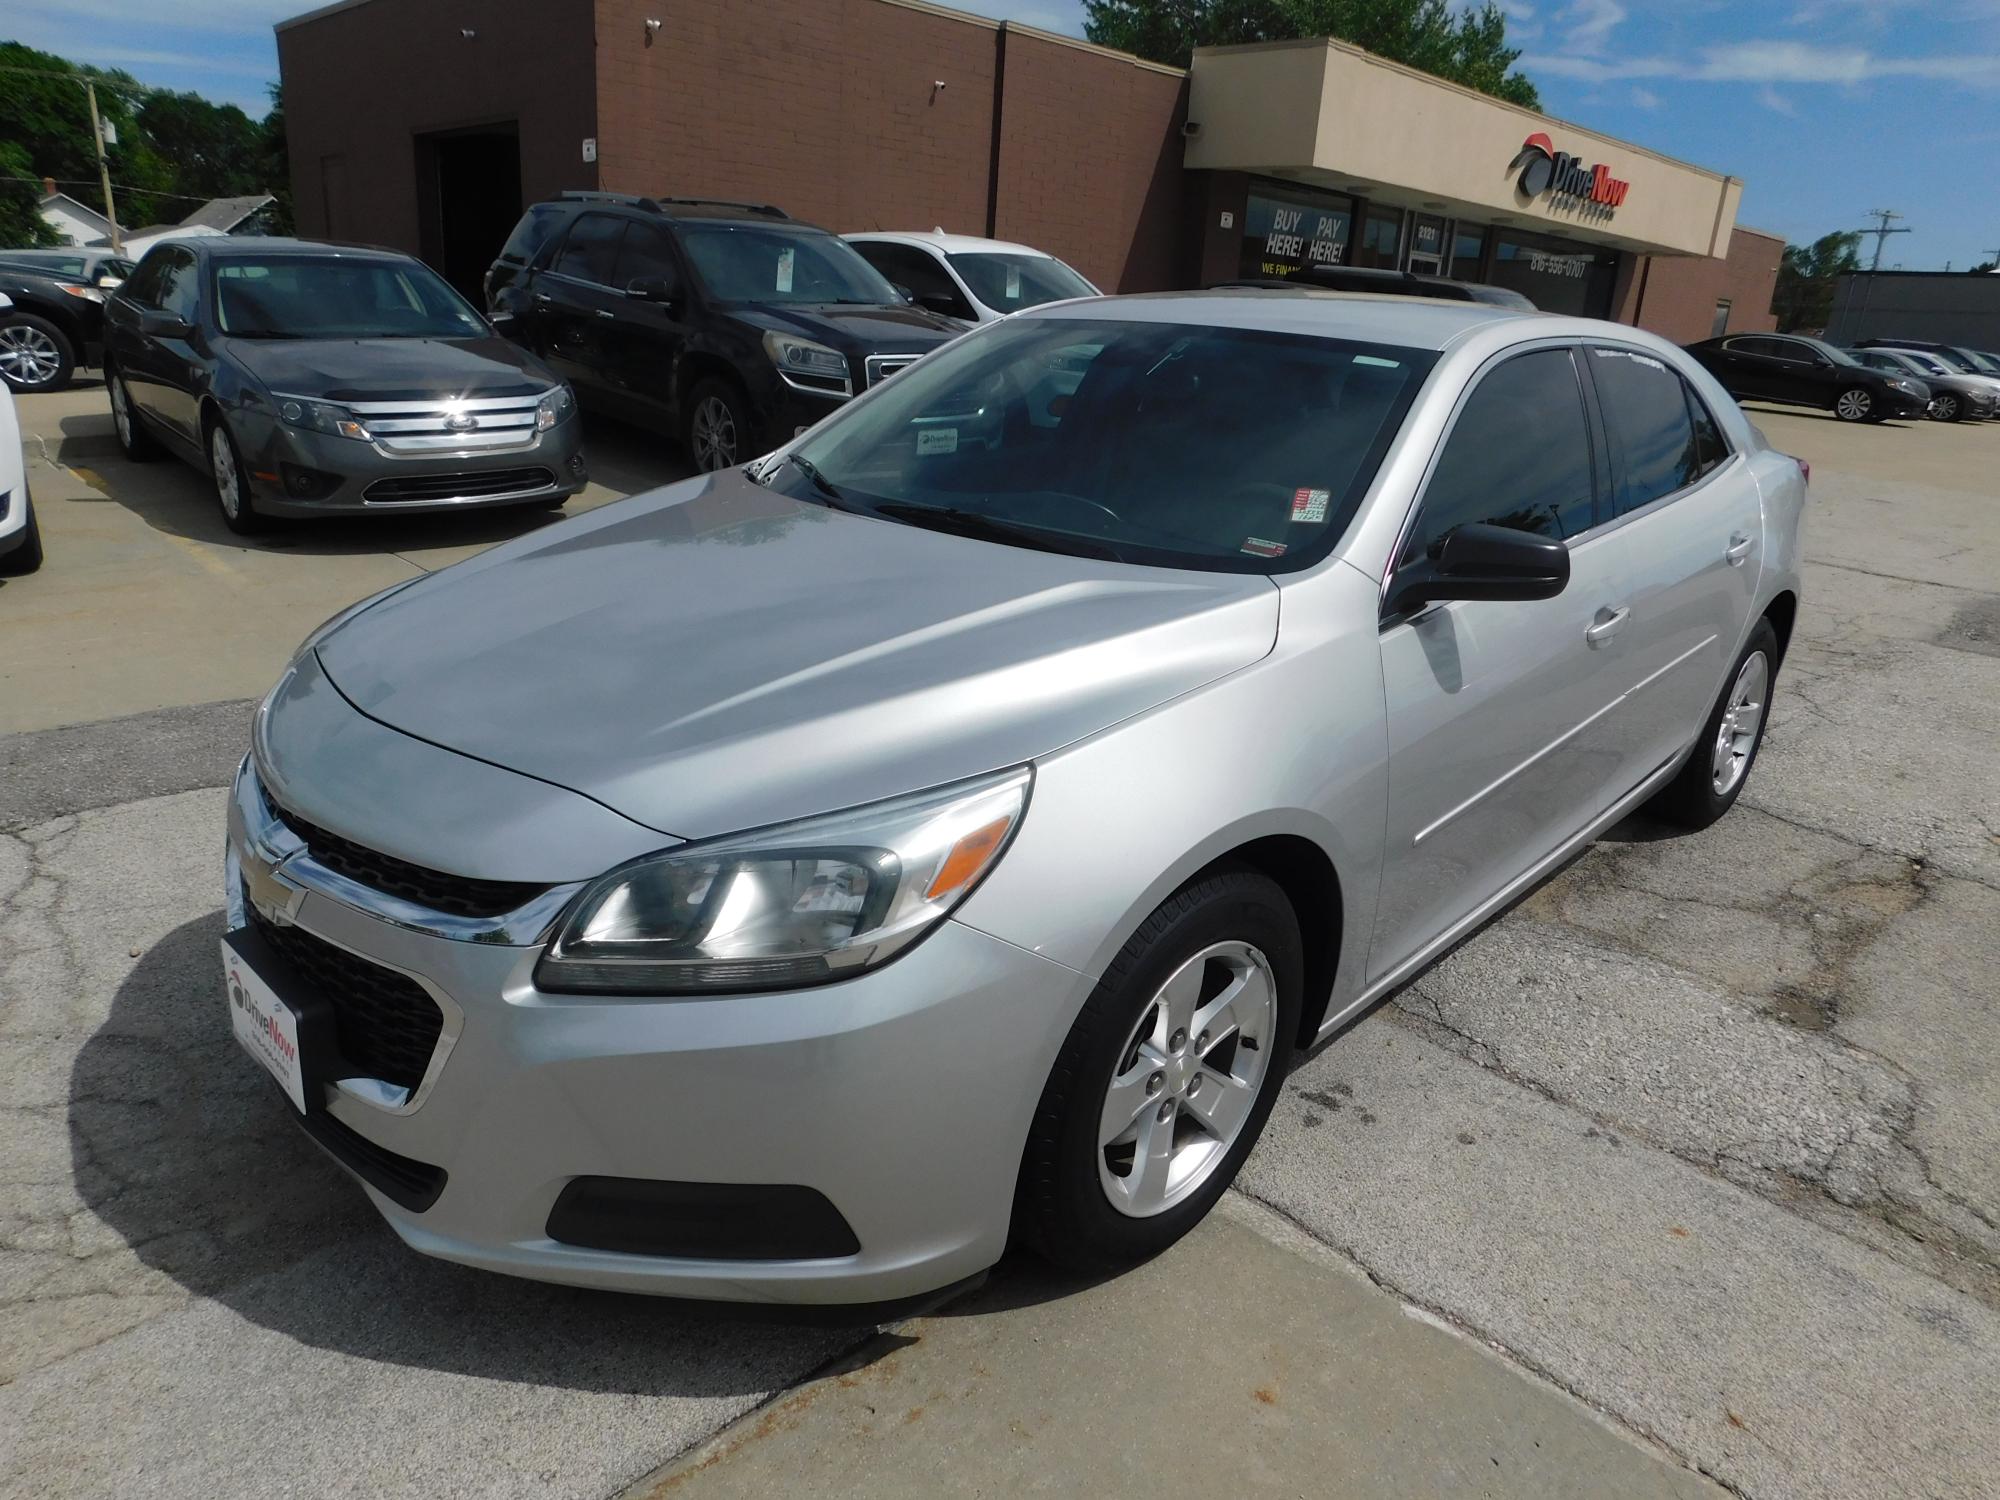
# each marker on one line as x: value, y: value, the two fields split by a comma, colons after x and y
x: 1570, y: 184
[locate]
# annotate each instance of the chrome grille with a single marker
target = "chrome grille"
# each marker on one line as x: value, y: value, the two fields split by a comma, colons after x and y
x: 433, y: 489
x: 450, y: 426
x: 882, y: 366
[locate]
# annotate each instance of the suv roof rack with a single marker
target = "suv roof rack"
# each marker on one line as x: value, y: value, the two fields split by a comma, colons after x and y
x: 659, y: 205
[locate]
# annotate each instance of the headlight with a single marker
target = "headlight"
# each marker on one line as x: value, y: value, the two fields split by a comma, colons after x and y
x: 87, y: 293
x: 556, y: 405
x: 794, y: 905
x: 810, y: 366
x: 1896, y: 382
x: 320, y: 416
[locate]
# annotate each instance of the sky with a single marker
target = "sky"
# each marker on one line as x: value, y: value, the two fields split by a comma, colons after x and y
x: 1826, y: 108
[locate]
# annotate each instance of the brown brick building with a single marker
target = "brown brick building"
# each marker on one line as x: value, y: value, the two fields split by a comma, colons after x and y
x: 428, y: 124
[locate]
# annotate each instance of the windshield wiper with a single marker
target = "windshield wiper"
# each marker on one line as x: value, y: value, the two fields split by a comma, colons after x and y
x: 826, y: 487
x: 974, y: 523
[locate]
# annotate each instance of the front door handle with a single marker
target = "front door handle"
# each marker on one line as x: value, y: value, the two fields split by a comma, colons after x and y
x: 1605, y: 625
x: 542, y: 297
x: 605, y: 312
x: 1738, y: 548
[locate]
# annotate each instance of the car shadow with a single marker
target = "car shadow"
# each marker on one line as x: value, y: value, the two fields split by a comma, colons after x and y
x: 172, y: 497
x: 1817, y: 414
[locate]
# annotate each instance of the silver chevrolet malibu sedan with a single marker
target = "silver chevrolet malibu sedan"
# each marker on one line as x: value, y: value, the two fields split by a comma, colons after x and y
x: 794, y: 883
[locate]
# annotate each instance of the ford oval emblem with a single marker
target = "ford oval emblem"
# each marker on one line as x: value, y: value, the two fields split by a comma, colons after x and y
x: 460, y: 422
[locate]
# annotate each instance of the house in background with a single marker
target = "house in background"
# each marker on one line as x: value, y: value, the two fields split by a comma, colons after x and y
x: 76, y: 223
x: 82, y: 225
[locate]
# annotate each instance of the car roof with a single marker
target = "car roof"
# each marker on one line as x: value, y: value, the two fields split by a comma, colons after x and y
x: 1367, y: 317
x: 677, y: 208
x: 238, y: 247
x: 951, y: 244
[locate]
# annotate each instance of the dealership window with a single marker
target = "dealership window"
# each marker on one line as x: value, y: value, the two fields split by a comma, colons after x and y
x: 1284, y: 234
x: 1720, y: 325
x: 1381, y: 238
x: 1467, y: 246
x: 1557, y: 275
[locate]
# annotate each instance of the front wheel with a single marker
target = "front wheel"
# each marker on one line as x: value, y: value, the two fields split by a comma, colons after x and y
x: 232, y: 486
x: 35, y: 355
x: 1708, y: 785
x: 1855, y: 404
x: 718, y: 427
x: 1945, y: 407
x: 1166, y: 1078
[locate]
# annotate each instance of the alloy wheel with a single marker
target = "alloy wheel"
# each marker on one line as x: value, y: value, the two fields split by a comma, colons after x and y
x: 1854, y: 406
x: 228, y: 484
x: 121, y: 411
x: 714, y: 435
x: 1736, y: 736
x: 1187, y: 1079
x: 28, y: 356
x: 1945, y: 408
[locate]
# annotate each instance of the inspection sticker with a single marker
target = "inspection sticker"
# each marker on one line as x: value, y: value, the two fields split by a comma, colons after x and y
x: 1309, y: 505
x: 937, y: 440
x: 785, y: 260
x: 1256, y: 546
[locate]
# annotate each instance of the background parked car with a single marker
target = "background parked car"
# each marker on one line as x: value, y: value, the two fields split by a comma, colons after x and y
x: 1390, y: 283
x: 1806, y: 372
x: 1954, y: 395
x: 727, y: 324
x: 309, y: 379
x: 969, y: 278
x: 104, y: 269
x: 55, y: 324
x: 1958, y: 356
x: 20, y: 533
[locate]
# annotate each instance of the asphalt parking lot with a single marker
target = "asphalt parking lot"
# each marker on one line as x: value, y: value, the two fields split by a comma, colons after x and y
x: 1683, y: 1178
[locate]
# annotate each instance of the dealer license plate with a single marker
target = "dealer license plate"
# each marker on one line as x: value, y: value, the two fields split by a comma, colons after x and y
x: 266, y: 1026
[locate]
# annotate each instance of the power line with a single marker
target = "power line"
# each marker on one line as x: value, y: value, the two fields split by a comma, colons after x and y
x: 1881, y: 231
x: 123, y: 187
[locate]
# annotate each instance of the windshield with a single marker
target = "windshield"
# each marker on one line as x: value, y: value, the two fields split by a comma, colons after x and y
x: 752, y: 263
x: 1224, y: 449
x: 336, y: 297
x: 1973, y: 359
x: 1007, y: 281
x: 1838, y: 356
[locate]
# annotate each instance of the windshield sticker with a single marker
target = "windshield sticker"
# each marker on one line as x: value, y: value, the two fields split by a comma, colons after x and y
x: 937, y: 440
x: 1013, y: 283
x: 785, y: 269
x: 1369, y: 359
x: 1309, y: 505
x: 1256, y: 546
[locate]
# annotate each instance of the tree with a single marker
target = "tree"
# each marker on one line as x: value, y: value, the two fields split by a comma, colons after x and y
x: 1806, y: 277
x: 275, y: 163
x: 21, y: 221
x: 45, y: 113
x: 216, y: 149
x: 1463, y: 45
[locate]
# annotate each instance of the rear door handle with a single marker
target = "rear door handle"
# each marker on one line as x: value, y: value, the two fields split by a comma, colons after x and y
x: 1605, y: 626
x: 1738, y: 548
x: 605, y: 312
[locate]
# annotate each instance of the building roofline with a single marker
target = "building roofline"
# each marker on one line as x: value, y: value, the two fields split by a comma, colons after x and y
x: 1334, y: 44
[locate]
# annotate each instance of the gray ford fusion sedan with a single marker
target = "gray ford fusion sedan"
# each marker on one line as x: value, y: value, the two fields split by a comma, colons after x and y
x: 791, y: 884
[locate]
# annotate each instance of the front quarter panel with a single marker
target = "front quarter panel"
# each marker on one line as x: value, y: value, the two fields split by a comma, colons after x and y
x: 1292, y: 745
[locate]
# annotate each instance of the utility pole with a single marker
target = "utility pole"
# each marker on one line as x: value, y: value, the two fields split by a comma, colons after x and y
x: 1881, y: 231
x: 103, y: 167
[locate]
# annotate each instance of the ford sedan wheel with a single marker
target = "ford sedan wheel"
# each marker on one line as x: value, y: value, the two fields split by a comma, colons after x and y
x: 232, y: 491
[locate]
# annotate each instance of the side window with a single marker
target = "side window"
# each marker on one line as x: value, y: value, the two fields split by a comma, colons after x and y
x: 590, y: 253
x: 1519, y: 455
x: 918, y: 270
x: 1652, y: 436
x: 536, y: 225
x: 1764, y: 348
x: 178, y: 285
x: 1795, y: 353
x: 143, y: 285
x: 647, y: 254
x: 1711, y: 449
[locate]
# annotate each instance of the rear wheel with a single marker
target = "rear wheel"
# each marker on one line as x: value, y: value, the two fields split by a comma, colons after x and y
x: 35, y: 355
x: 27, y: 557
x: 1167, y: 1077
x: 1855, y: 404
x: 1708, y: 785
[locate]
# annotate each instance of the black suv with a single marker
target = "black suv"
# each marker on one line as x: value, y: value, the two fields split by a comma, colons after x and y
x: 56, y: 323
x: 728, y: 323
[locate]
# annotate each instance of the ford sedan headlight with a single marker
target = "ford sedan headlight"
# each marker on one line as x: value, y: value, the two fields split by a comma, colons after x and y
x: 553, y: 407
x: 321, y: 416
x: 794, y: 905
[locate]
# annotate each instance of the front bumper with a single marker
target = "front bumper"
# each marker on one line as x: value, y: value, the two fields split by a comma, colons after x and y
x: 294, y: 472
x: 903, y: 1096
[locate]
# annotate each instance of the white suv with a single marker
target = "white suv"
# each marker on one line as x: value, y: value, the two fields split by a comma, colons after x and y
x: 20, y: 537
x: 960, y: 276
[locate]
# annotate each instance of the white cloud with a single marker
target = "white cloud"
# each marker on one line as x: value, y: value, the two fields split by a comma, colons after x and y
x: 1774, y: 101
x: 1769, y: 62
x: 1644, y: 98
x: 1586, y: 25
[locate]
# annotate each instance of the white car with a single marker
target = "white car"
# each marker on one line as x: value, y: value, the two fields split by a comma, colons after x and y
x: 961, y: 276
x: 20, y: 537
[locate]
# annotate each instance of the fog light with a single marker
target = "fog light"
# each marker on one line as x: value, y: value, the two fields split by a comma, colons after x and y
x: 302, y: 483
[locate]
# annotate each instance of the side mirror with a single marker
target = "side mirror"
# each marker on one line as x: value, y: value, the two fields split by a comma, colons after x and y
x: 940, y: 302
x: 652, y: 289
x: 156, y: 324
x: 1484, y: 562
x: 902, y: 291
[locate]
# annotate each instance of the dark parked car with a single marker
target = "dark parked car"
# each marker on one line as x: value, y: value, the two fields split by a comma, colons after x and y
x: 1797, y: 371
x: 104, y: 269
x: 728, y: 324
x: 1391, y: 283
x: 55, y: 324
x: 1972, y: 361
x: 1955, y: 395
x: 309, y: 379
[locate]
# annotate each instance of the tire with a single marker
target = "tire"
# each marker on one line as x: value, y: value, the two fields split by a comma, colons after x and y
x: 717, y: 421
x: 1856, y: 404
x: 134, y: 441
x: 1946, y: 406
x: 1699, y: 795
x: 225, y: 467
x: 1094, y: 1207
x: 35, y: 355
x: 27, y: 557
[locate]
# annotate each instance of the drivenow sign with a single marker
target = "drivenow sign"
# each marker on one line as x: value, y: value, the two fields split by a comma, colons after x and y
x: 1589, y: 190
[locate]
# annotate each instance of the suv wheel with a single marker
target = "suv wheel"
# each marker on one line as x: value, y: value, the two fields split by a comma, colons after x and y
x: 34, y: 354
x: 1167, y: 1077
x: 718, y: 434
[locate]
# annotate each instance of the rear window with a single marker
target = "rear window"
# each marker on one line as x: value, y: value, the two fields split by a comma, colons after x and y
x: 1223, y: 449
x: 536, y: 225
x: 1007, y: 282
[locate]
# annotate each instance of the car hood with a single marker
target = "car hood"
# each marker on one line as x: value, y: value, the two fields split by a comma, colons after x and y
x: 716, y: 656
x: 391, y: 369
x: 869, y: 329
